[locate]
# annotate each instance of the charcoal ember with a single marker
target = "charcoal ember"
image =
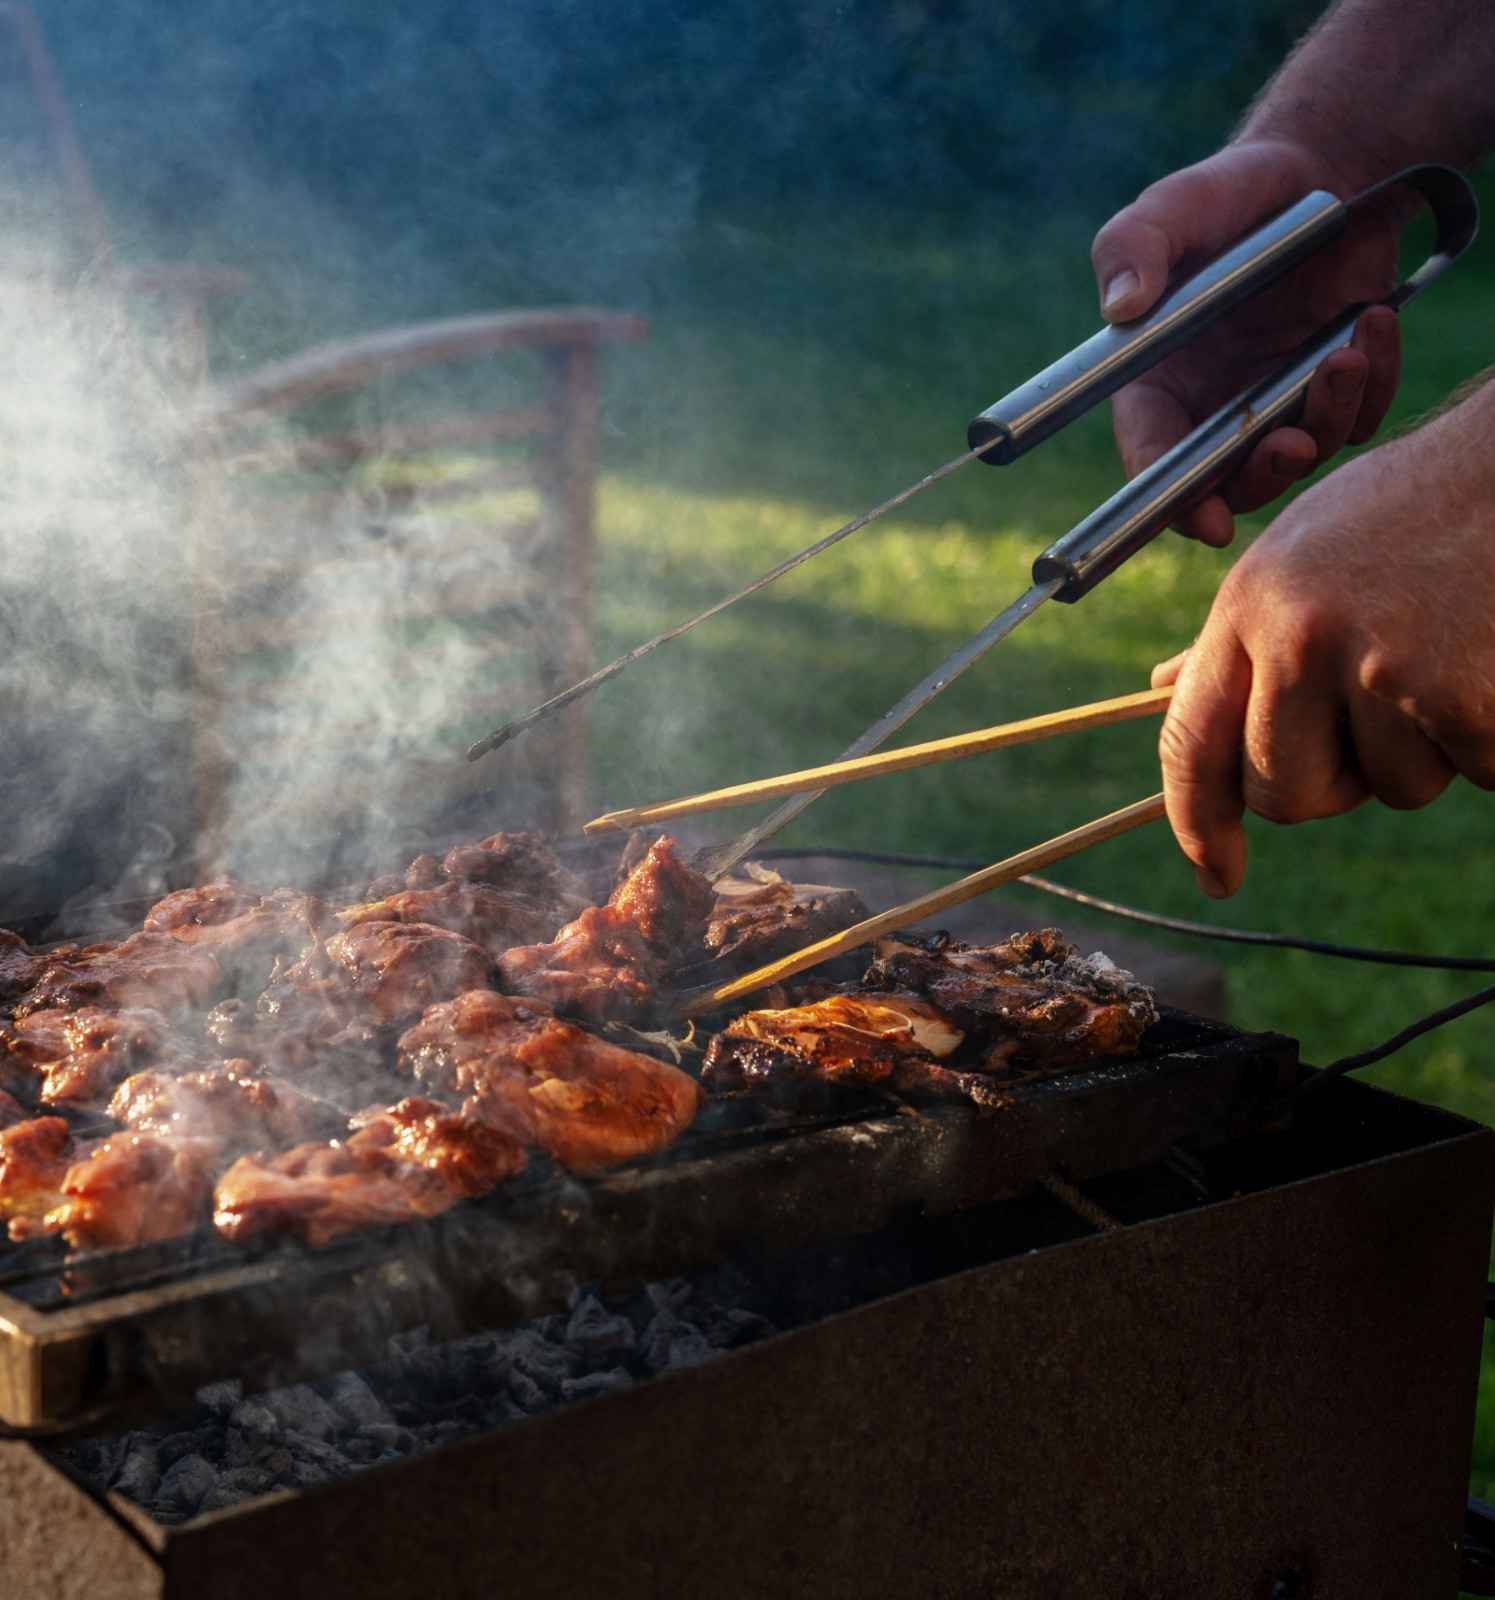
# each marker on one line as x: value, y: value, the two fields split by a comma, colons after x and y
x: 536, y: 1357
x: 300, y: 1410
x: 527, y: 1394
x: 669, y: 1341
x: 139, y: 1473
x: 185, y: 1485
x: 595, y: 1332
x: 306, y: 1451
x: 355, y: 1402
x: 195, y: 1441
x: 595, y: 1383
x: 389, y: 1436
x: 221, y: 1399
x: 306, y: 1475
x: 361, y: 1452
x: 254, y: 1417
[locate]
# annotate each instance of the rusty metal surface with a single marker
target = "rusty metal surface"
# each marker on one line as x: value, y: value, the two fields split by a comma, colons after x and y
x: 1276, y: 1387
x: 133, y: 1329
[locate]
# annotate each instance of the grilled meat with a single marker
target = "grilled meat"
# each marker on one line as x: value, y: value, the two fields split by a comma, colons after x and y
x: 313, y: 1044
x: 75, y: 1058
x: 884, y: 1041
x: 35, y: 1155
x: 151, y: 970
x: 1032, y: 1001
x: 760, y: 917
x: 518, y: 863
x: 493, y: 918
x: 20, y: 966
x: 131, y: 1189
x: 597, y: 966
x: 610, y: 961
x: 11, y: 1110
x: 415, y: 1159
x: 235, y: 1103
x: 376, y: 971
x: 588, y: 1103
x: 247, y: 932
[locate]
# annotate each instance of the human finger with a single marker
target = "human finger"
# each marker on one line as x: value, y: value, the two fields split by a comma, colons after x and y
x: 1332, y: 405
x: 1378, y: 336
x: 1274, y: 465
x: 1200, y: 751
x: 1196, y: 211
x: 1297, y: 764
x: 1166, y: 672
x: 1402, y: 767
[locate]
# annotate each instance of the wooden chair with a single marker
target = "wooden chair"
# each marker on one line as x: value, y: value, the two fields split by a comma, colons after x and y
x: 515, y: 564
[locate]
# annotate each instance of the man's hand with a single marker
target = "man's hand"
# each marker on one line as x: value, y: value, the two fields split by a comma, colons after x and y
x: 1349, y: 653
x: 1184, y: 220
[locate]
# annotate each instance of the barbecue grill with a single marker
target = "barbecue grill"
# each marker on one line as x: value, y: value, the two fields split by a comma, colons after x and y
x: 1245, y: 1375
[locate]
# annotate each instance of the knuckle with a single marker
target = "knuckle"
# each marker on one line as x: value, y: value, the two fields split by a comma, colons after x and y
x: 1182, y: 749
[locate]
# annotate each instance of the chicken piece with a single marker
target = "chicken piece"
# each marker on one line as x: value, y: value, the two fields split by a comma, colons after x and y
x: 235, y: 1103
x: 517, y: 863
x: 411, y: 1160
x: 378, y: 971
x: 131, y: 1189
x: 150, y: 970
x: 317, y: 1046
x: 20, y: 966
x: 589, y: 1103
x: 492, y: 918
x: 35, y: 1155
x: 761, y: 916
x: 247, y: 932
x: 1032, y: 1000
x: 885, y: 1041
x: 669, y: 902
x: 11, y: 1110
x: 598, y: 966
x: 75, y: 1058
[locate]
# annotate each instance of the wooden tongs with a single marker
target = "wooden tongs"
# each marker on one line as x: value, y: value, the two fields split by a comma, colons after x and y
x: 813, y: 779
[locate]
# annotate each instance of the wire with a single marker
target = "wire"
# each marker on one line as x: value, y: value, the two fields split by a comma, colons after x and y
x: 1204, y: 930
x: 1154, y: 919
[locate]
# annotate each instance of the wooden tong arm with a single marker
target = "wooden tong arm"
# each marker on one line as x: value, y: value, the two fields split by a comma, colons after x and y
x: 981, y: 740
x: 929, y: 905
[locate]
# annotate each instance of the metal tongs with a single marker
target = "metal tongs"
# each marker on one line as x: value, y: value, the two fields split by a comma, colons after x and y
x: 1074, y: 564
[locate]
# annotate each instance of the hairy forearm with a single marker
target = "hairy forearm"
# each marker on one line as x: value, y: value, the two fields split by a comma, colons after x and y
x: 1380, y: 84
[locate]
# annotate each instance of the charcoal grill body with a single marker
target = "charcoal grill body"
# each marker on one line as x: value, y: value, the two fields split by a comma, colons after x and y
x: 1259, y: 1395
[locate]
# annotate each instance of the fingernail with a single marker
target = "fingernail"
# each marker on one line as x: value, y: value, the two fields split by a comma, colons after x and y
x: 1211, y: 885
x: 1121, y: 285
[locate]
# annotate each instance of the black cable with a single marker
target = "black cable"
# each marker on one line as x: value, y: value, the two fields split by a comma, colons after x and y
x: 1203, y: 930
x: 1154, y: 919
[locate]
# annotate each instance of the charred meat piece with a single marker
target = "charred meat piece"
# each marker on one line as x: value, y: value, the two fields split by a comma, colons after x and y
x: 1032, y: 1000
x: 35, y: 1155
x: 247, y: 932
x: 761, y: 916
x: 885, y: 1041
x: 130, y: 1190
x: 597, y: 966
x: 492, y: 918
x: 151, y: 970
x: 669, y: 902
x: 518, y: 863
x: 589, y: 1103
x: 77, y: 1057
x: 11, y: 1110
x: 235, y: 1103
x: 415, y: 1159
x: 377, y: 971
x: 20, y: 966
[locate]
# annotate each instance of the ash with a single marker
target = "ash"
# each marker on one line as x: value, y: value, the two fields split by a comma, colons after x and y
x: 231, y: 1446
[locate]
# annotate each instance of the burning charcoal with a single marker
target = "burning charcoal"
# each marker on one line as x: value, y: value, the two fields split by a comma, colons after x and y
x: 255, y: 1417
x: 596, y: 1332
x: 528, y: 1395
x: 139, y: 1475
x: 313, y: 1452
x: 735, y: 1327
x: 304, y: 1475
x: 596, y: 1383
x: 669, y: 1293
x: 670, y: 1342
x: 388, y: 1436
x: 221, y: 1398
x: 301, y: 1410
x: 355, y: 1401
x: 196, y: 1441
x: 361, y: 1452
x: 185, y: 1485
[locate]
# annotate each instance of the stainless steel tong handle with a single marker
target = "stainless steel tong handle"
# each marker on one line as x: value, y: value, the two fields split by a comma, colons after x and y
x: 1137, y: 513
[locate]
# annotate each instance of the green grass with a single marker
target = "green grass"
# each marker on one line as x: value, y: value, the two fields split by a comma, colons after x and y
x: 799, y: 371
